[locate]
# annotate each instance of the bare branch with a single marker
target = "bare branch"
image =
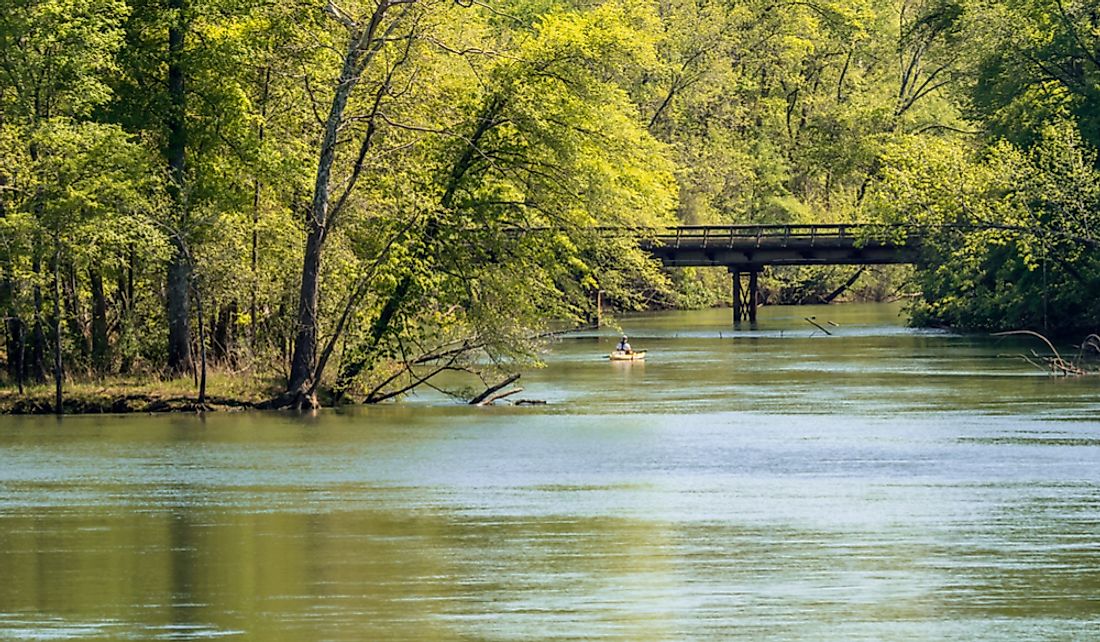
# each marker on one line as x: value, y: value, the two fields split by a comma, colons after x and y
x: 339, y: 15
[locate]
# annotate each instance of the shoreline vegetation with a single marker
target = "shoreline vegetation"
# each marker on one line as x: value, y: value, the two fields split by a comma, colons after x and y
x: 352, y: 198
x: 118, y: 395
x: 237, y: 392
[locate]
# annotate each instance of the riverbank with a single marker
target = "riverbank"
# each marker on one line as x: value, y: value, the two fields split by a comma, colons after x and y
x: 234, y: 392
x: 230, y: 391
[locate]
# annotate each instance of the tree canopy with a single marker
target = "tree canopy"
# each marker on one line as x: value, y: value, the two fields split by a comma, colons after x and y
x: 351, y: 198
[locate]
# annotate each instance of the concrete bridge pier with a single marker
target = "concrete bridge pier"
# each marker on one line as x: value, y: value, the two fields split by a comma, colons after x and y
x: 745, y: 298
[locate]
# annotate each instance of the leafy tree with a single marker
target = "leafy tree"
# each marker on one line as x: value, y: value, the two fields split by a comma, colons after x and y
x: 1020, y: 249
x: 54, y: 57
x: 1040, y: 63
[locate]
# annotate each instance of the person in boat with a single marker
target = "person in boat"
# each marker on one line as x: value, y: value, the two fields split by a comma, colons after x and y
x: 623, y: 346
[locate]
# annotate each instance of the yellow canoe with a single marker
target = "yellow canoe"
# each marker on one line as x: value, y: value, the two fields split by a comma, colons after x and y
x: 620, y: 355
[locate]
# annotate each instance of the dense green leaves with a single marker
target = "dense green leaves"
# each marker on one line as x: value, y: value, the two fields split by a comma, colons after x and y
x: 452, y: 167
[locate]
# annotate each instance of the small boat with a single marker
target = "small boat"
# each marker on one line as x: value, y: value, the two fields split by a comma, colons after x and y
x: 623, y: 355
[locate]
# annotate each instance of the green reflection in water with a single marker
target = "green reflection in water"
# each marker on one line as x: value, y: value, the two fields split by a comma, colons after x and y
x: 882, y: 483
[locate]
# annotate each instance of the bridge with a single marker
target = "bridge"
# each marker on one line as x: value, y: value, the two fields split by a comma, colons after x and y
x: 751, y: 247
x: 745, y: 250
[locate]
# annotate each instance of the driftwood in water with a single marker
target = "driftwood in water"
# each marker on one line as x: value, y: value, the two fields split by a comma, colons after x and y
x: 488, y: 401
x: 817, y: 325
x: 1055, y: 364
x: 1091, y: 343
x: 477, y: 401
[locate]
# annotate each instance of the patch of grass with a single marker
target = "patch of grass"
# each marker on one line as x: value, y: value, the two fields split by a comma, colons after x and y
x: 224, y: 391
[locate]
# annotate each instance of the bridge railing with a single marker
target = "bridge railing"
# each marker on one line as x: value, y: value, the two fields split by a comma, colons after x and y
x: 782, y: 234
x: 772, y: 233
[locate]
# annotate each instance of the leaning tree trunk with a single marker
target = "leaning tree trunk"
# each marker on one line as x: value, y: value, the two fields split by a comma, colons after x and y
x: 489, y: 118
x: 363, y: 44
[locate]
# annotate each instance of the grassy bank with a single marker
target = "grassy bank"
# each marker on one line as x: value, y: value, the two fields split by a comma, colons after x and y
x: 225, y: 391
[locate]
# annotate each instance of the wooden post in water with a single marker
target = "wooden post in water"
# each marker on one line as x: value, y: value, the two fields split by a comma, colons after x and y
x: 736, y: 295
x: 752, y: 295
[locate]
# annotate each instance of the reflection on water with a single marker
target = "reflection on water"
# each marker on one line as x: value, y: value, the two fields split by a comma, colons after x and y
x: 881, y: 483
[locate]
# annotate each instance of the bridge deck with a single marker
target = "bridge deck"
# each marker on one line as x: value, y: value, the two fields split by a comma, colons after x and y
x: 750, y: 247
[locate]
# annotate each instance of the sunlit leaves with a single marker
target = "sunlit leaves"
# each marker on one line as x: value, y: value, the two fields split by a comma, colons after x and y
x: 56, y: 55
x: 1006, y: 229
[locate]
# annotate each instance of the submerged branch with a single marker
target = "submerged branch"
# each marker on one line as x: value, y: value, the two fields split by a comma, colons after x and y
x: 1055, y: 364
x: 488, y: 397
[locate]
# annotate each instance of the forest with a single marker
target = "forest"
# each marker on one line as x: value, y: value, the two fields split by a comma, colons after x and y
x: 341, y: 201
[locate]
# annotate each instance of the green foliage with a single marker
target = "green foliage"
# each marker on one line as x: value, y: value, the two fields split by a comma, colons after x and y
x: 1022, y: 254
x: 56, y: 55
x: 1040, y: 63
x: 482, y: 149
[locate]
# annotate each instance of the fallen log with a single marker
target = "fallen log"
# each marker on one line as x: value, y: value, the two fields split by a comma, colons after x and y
x: 497, y: 397
x: 530, y: 402
x: 476, y: 401
x: 847, y: 284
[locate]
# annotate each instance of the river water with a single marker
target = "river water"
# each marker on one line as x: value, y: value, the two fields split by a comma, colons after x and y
x: 881, y: 483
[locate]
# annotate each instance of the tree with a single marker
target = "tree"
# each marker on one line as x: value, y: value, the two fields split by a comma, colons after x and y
x: 1040, y: 63
x: 547, y: 139
x: 54, y: 58
x: 1020, y: 252
x: 367, y: 36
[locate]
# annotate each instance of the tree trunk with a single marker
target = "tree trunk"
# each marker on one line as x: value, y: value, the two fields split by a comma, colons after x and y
x: 364, y: 43
x: 202, y: 350
x: 257, y: 188
x: 74, y: 315
x: 16, y: 349
x: 305, y: 344
x: 14, y: 335
x: 223, y: 339
x: 101, y: 356
x: 179, y: 328
x: 37, y: 371
x: 57, y: 372
x: 179, y: 270
x: 13, y: 327
x: 125, y: 299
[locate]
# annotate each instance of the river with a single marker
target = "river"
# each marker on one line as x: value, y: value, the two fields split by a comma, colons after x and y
x: 881, y: 483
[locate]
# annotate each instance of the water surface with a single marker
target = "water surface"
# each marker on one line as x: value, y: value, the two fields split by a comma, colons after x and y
x: 776, y: 483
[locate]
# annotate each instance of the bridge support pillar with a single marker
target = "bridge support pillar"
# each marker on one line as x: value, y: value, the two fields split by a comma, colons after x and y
x: 753, y: 296
x: 736, y: 296
x: 745, y: 299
